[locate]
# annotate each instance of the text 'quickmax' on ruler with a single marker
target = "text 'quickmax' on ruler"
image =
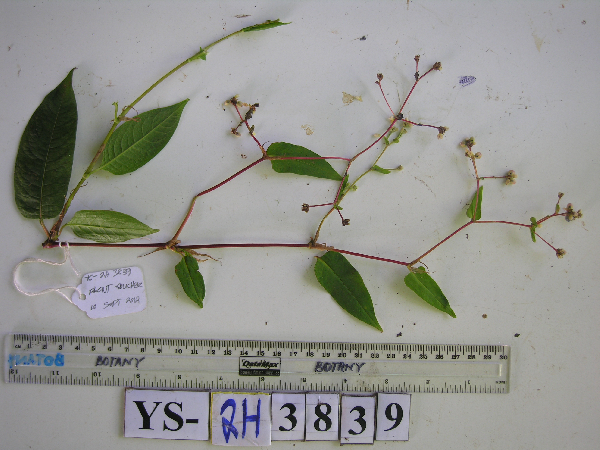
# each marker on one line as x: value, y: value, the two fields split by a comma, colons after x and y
x: 249, y: 365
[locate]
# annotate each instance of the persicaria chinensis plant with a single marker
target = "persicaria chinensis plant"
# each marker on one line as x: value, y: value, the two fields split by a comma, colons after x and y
x: 45, y: 157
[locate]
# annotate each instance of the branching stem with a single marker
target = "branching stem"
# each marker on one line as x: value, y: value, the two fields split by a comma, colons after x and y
x: 206, y: 191
x: 55, y: 231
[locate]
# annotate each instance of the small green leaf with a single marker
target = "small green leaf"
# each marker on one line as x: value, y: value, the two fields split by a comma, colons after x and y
x: 139, y: 140
x: 346, y: 286
x: 472, y: 205
x: 191, y: 279
x: 425, y: 287
x: 45, y: 156
x: 200, y: 55
x: 107, y: 226
x: 532, y: 228
x: 265, y: 25
x: 376, y: 168
x: 319, y: 168
x: 386, y: 141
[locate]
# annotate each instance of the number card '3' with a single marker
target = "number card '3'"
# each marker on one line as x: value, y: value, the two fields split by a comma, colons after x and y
x: 288, y: 413
x: 358, y: 420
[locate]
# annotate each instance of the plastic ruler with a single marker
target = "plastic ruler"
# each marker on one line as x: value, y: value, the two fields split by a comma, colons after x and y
x: 248, y: 365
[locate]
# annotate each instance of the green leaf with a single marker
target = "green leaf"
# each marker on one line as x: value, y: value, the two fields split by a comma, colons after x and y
x: 107, y: 226
x: 319, y: 168
x: 376, y: 168
x: 532, y: 228
x: 45, y: 156
x: 346, y: 286
x: 425, y: 287
x: 265, y: 25
x: 139, y: 140
x: 191, y: 279
x: 472, y: 205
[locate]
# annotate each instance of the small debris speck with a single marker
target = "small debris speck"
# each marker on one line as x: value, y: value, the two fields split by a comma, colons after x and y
x: 484, y: 316
x: 517, y: 334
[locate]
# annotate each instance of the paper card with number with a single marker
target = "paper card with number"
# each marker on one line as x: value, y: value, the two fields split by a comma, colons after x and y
x: 159, y: 414
x: 240, y: 419
x: 111, y: 292
x: 288, y: 416
x: 357, y: 424
x: 393, y: 417
x: 322, y: 417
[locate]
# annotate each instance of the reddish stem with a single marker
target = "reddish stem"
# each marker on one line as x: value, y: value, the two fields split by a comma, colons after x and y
x: 243, y: 119
x: 160, y: 245
x: 324, y: 204
x: 551, y: 246
x: 413, y: 88
x: 440, y: 243
x: 206, y: 191
x: 362, y: 255
x: 384, y: 97
x: 420, y: 124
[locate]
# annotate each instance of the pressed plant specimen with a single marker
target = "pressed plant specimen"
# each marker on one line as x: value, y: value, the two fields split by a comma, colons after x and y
x: 45, y: 158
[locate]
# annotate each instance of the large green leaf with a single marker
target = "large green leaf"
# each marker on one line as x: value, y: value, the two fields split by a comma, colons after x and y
x: 107, y: 226
x: 319, y: 168
x: 421, y: 283
x: 265, y: 25
x: 191, y: 279
x: 139, y: 140
x: 346, y: 286
x: 476, y: 200
x: 45, y: 156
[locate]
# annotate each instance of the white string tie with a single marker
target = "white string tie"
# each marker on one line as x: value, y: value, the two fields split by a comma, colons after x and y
x: 67, y: 254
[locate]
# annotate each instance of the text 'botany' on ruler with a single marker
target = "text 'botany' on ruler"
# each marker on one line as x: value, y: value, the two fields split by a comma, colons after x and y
x: 272, y: 366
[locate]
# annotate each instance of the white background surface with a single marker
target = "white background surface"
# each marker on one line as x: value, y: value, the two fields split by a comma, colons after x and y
x: 533, y: 109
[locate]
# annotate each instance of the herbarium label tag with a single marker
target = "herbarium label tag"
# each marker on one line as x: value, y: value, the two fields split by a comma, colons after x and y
x: 111, y: 292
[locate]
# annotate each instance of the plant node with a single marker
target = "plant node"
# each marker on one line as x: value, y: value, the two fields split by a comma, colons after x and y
x: 172, y: 243
x: 441, y: 131
x: 560, y: 253
x: 305, y: 207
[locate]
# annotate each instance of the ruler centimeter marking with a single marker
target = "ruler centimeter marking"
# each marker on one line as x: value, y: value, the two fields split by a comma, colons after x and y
x: 249, y: 365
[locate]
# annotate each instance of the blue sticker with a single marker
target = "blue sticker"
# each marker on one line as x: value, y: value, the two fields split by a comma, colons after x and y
x: 467, y: 80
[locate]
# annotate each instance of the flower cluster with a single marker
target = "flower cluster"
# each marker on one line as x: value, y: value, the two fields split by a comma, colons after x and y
x: 572, y: 214
x: 511, y: 177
